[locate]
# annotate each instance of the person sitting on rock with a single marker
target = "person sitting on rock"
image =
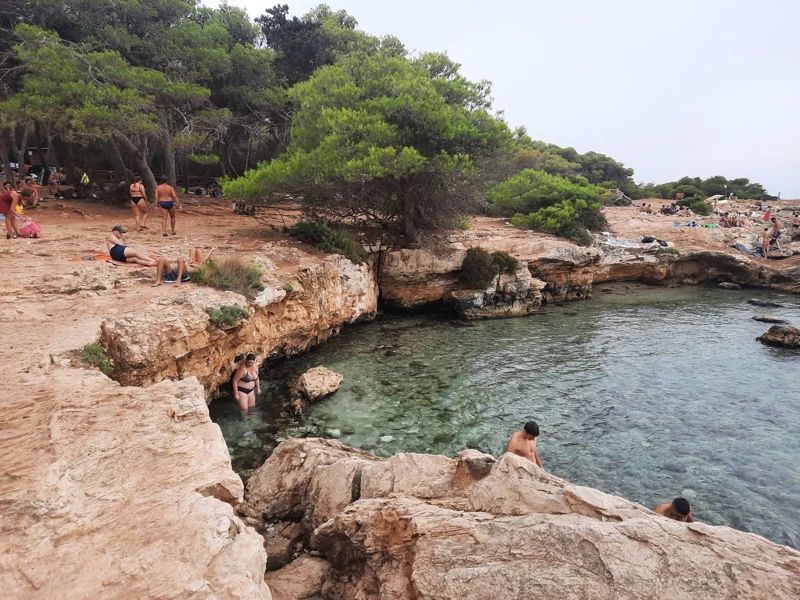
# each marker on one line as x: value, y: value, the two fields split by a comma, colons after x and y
x: 679, y: 509
x: 523, y: 443
x: 166, y: 273
x: 246, y: 384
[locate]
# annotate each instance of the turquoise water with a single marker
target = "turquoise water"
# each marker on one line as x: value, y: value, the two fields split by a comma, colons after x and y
x: 644, y: 393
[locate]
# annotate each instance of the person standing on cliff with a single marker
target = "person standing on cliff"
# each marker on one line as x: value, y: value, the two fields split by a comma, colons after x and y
x: 679, y: 509
x: 246, y: 384
x: 166, y: 199
x: 523, y: 443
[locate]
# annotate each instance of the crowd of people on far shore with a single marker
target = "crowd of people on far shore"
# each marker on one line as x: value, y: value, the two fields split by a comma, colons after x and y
x: 523, y: 443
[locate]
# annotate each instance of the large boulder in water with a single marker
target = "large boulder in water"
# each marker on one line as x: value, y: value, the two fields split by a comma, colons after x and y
x: 317, y: 383
x: 417, y: 526
x: 781, y: 335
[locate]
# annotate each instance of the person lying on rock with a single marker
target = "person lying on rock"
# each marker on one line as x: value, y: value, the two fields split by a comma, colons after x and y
x: 523, y: 443
x: 679, y: 509
x: 246, y: 384
x: 121, y: 253
x: 166, y: 273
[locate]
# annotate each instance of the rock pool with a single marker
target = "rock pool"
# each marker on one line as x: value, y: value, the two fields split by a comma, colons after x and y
x: 644, y: 393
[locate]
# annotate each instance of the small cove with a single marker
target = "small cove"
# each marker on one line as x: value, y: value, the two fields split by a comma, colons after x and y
x: 644, y: 393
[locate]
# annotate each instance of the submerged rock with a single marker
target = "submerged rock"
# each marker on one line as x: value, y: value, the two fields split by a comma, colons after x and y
x: 769, y: 319
x: 420, y: 526
x: 727, y: 285
x: 317, y: 383
x: 781, y: 335
x: 764, y: 303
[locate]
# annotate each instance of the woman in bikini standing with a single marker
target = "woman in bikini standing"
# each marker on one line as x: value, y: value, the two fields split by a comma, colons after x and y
x: 246, y: 384
x: 139, y: 203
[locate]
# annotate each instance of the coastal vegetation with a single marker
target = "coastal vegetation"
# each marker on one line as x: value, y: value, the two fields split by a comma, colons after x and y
x: 230, y: 273
x: 480, y: 267
x: 95, y: 355
x: 226, y: 315
x: 330, y: 240
x: 351, y: 126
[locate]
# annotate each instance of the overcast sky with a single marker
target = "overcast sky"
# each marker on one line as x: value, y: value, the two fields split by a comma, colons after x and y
x: 670, y: 88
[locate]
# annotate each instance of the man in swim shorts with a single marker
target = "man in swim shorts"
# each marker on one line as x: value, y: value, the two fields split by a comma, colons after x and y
x: 523, y: 443
x: 165, y: 273
x: 122, y: 253
x: 679, y: 509
x: 776, y: 231
x: 166, y: 199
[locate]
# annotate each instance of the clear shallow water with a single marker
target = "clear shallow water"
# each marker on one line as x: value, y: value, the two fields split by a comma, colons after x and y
x: 648, y: 394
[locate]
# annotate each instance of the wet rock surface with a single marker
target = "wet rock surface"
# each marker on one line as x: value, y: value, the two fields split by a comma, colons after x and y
x: 421, y: 526
x: 781, y: 335
x: 770, y: 319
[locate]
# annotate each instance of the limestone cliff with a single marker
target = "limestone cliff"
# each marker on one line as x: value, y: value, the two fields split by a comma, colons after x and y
x: 115, y: 492
x: 416, y: 527
x: 177, y: 339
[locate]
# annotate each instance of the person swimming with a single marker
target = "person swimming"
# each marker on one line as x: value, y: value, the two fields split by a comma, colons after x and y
x: 679, y: 510
x: 243, y: 391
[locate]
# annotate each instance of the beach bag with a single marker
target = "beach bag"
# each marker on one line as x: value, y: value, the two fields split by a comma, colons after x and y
x: 30, y: 229
x: 648, y: 239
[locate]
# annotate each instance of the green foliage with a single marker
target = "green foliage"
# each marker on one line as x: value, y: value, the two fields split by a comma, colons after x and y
x: 96, y: 356
x: 382, y: 137
x: 328, y: 239
x: 566, y: 207
x: 532, y: 190
x: 701, y: 208
x: 480, y: 268
x: 464, y: 223
x: 226, y: 315
x: 289, y: 287
x: 230, y: 273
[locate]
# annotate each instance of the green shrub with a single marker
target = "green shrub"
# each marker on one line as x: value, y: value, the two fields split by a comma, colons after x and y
x: 230, y: 273
x: 226, y: 315
x: 701, y: 208
x: 504, y: 262
x: 96, y: 356
x: 464, y: 223
x: 480, y: 268
x: 330, y: 240
x: 289, y: 287
x: 566, y: 207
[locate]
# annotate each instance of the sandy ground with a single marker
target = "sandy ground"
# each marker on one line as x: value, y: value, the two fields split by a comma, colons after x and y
x: 51, y: 304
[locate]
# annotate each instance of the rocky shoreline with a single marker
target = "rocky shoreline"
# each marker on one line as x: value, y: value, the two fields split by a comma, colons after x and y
x: 132, y: 478
x: 419, y: 526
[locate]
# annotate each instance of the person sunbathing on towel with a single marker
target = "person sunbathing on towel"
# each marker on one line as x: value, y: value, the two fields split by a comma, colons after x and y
x: 165, y: 273
x: 121, y: 253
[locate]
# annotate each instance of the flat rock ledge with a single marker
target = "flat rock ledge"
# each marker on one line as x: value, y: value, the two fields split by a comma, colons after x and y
x: 429, y: 527
x: 781, y: 335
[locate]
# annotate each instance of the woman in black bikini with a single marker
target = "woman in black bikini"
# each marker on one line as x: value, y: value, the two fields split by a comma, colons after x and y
x: 246, y: 384
x: 139, y: 203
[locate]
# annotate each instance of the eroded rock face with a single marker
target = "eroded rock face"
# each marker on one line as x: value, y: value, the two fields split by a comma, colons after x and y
x: 317, y: 383
x: 510, y: 295
x: 430, y: 527
x: 169, y: 342
x: 113, y: 492
x: 302, y: 578
x: 781, y: 335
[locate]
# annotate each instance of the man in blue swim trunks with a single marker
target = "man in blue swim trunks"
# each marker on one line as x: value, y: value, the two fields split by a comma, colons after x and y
x: 165, y: 200
x: 121, y: 253
x: 166, y: 273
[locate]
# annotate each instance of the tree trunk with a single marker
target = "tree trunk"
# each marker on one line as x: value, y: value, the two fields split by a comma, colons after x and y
x: 19, y: 151
x: 169, y: 160
x: 119, y: 162
x: 409, y: 216
x: 4, y: 152
x: 139, y: 156
x: 42, y: 156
